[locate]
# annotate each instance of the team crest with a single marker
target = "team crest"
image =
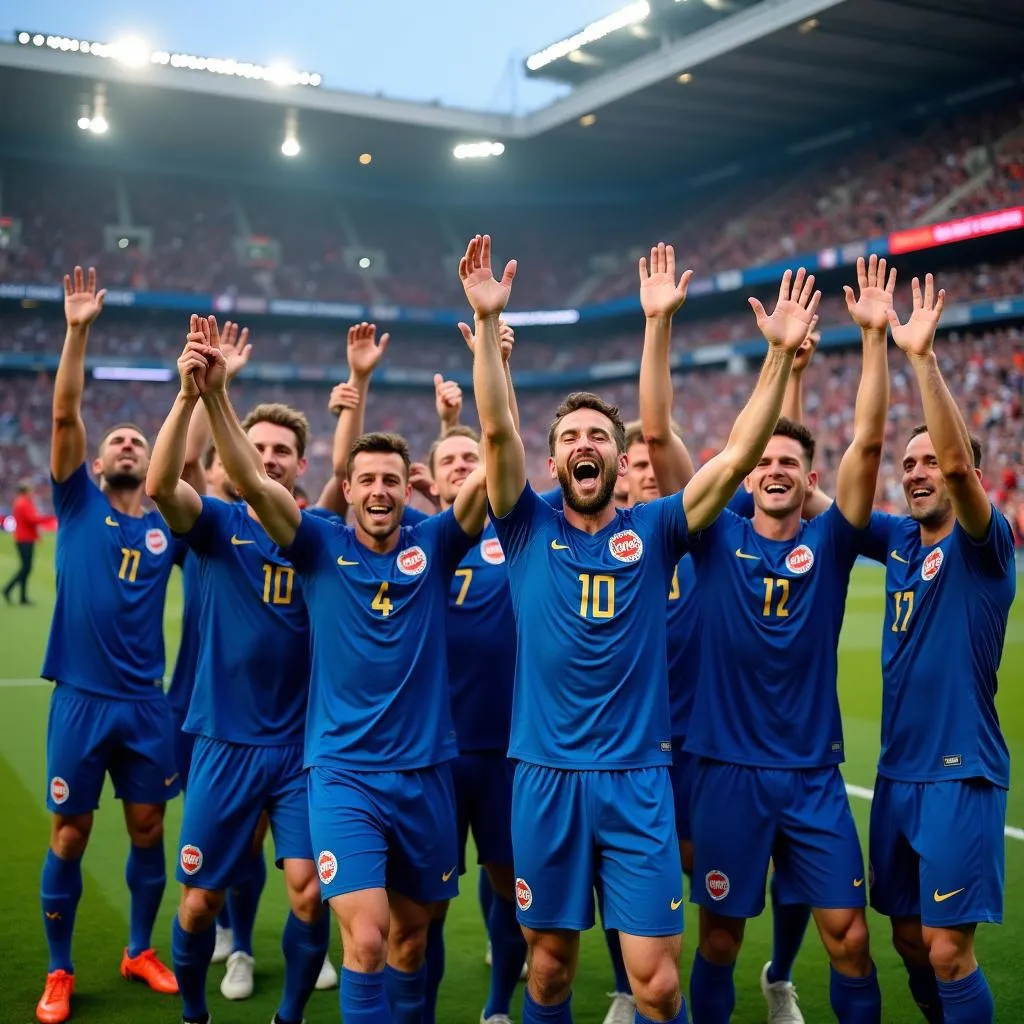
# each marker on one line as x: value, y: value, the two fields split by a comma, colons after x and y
x: 931, y: 565
x: 156, y: 541
x: 800, y: 560
x: 412, y: 561
x: 524, y: 894
x: 717, y: 885
x: 191, y: 859
x: 59, y: 790
x: 626, y: 546
x: 490, y: 551
x: 326, y: 866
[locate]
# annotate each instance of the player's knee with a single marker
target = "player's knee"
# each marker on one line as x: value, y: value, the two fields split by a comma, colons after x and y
x: 70, y: 836
x: 304, y: 893
x: 658, y: 990
x: 720, y: 938
x: 951, y: 954
x: 365, y: 945
x: 145, y: 823
x: 846, y: 938
x: 407, y: 945
x: 909, y: 943
x: 199, y: 908
x: 550, y: 973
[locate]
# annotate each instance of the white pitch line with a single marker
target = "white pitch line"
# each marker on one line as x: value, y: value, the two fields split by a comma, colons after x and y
x: 861, y: 792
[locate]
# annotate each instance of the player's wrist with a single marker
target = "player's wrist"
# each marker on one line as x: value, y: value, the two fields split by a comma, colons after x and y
x: 922, y: 360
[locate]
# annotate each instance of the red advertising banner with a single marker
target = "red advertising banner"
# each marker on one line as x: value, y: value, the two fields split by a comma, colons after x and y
x: 956, y: 230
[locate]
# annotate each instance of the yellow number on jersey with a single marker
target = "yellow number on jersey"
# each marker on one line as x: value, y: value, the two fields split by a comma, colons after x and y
x: 467, y: 578
x: 771, y: 586
x: 382, y: 603
x: 673, y: 591
x: 597, y: 602
x: 905, y: 607
x: 129, y: 564
x: 277, y: 584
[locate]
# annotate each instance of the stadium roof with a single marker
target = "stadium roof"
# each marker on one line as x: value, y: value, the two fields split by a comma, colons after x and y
x: 766, y: 78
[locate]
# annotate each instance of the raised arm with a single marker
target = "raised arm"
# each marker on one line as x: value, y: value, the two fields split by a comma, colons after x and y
x: 447, y: 402
x: 272, y: 503
x: 858, y: 469
x: 82, y: 304
x: 716, y: 481
x: 364, y: 353
x: 504, y: 456
x: 470, y: 506
x: 508, y: 341
x: 946, y: 427
x: 661, y: 297
x: 177, y: 499
x: 793, y: 403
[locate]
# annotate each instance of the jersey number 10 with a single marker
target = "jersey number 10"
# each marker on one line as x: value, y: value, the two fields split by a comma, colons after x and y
x: 597, y: 600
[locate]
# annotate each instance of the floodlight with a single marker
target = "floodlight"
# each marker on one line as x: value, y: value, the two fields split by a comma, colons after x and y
x: 364, y: 262
x: 291, y: 147
x: 131, y: 51
x: 366, y: 159
x: 84, y: 123
x: 477, y: 150
x: 99, y: 125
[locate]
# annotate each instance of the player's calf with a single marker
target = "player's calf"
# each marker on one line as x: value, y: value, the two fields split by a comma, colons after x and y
x: 653, y: 967
x: 365, y: 921
x: 721, y: 938
x: 552, y: 959
x: 407, y: 942
x: 844, y: 934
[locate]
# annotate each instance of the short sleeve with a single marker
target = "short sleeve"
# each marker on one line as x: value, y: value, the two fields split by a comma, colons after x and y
x: 207, y: 528
x: 515, y: 528
x: 326, y: 514
x: 742, y: 503
x: 845, y: 536
x: 669, y: 518
x: 413, y: 516
x: 873, y: 540
x: 553, y: 498
x: 447, y: 538
x: 992, y: 555
x: 73, y: 494
x: 308, y: 543
x: 702, y: 541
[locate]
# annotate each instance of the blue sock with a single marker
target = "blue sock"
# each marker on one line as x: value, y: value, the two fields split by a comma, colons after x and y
x: 534, y: 1013
x: 304, y: 946
x: 191, y: 952
x: 855, y: 1000
x: 508, y: 948
x: 224, y: 915
x: 611, y: 938
x: 60, y: 889
x: 242, y: 901
x: 925, y: 990
x: 405, y: 993
x: 146, y: 876
x: 485, y: 893
x: 969, y: 1000
x: 363, y: 1000
x: 789, y: 923
x: 680, y: 1018
x: 712, y: 992
x: 435, y: 970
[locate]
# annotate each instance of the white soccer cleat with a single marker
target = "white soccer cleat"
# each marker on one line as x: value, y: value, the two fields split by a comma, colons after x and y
x: 495, y: 1018
x: 237, y: 983
x: 328, y: 977
x: 781, y: 999
x: 224, y: 946
x: 622, y: 1010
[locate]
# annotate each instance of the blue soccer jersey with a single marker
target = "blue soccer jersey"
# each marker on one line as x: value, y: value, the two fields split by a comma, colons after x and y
x: 183, y: 678
x: 481, y: 634
x: 945, y: 622
x: 771, y: 612
x: 591, y: 687
x: 379, y: 684
x: 106, y: 637
x: 252, y: 673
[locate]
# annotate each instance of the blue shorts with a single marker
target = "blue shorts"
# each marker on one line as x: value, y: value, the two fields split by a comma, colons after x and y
x: 684, y: 767
x: 574, y: 831
x: 385, y: 830
x: 231, y: 785
x: 937, y: 851
x: 88, y: 736
x: 184, y: 744
x: 483, y: 803
x: 797, y: 818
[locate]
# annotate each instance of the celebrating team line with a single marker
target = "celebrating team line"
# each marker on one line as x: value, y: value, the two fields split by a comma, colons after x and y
x: 622, y: 685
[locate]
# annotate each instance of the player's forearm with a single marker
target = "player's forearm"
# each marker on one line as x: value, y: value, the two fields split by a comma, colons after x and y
x: 513, y: 405
x: 351, y: 423
x: 754, y: 425
x: 167, y: 462
x: 946, y: 426
x: 490, y: 387
x: 69, y: 383
x: 872, y: 405
x: 793, y: 403
x: 656, y: 382
x: 240, y: 458
x: 470, y: 508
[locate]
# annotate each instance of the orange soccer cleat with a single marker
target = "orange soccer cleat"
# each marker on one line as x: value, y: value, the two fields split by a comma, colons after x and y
x: 54, y: 1006
x: 147, y: 968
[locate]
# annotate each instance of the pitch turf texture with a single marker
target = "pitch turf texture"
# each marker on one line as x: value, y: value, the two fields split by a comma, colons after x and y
x: 102, y: 918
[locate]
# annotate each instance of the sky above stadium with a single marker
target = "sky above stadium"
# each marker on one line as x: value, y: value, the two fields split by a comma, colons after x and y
x: 461, y: 53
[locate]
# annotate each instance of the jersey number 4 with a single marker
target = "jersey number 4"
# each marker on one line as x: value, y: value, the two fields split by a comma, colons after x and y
x: 597, y: 599
x: 381, y: 602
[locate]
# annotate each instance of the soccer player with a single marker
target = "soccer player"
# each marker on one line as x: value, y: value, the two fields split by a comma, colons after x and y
x: 936, y: 847
x: 765, y: 721
x: 592, y: 800
x: 249, y: 704
x: 27, y: 521
x: 379, y: 732
x: 108, y: 710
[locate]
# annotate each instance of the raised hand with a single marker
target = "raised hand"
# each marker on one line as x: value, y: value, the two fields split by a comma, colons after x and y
x: 917, y: 335
x: 506, y: 335
x: 805, y: 353
x: 793, y: 316
x: 343, y: 396
x: 82, y: 303
x: 420, y: 479
x: 660, y: 294
x: 447, y: 400
x: 486, y: 295
x: 192, y: 362
x: 364, y: 351
x: 236, y: 348
x: 206, y: 338
x: 870, y: 309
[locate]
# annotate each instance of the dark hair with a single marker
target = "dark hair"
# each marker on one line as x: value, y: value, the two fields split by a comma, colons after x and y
x: 798, y: 432
x: 126, y: 425
x: 459, y: 430
x: 281, y: 416
x: 588, y: 400
x: 922, y: 428
x: 378, y: 441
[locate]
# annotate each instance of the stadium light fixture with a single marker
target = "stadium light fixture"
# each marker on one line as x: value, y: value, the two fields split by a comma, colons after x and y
x: 685, y: 78
x: 808, y: 26
x: 631, y: 14
x: 84, y: 122
x: 366, y: 159
x: 290, y: 146
x: 365, y: 262
x: 478, y: 150
x: 99, y: 125
x: 587, y: 120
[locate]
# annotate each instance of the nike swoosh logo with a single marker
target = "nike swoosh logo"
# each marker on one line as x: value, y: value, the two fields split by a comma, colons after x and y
x: 741, y: 554
x: 447, y: 875
x: 896, y: 558
x: 858, y: 882
x: 111, y: 521
x: 941, y: 897
x: 238, y: 542
x: 676, y: 904
x: 342, y: 561
x: 167, y: 782
x: 555, y: 546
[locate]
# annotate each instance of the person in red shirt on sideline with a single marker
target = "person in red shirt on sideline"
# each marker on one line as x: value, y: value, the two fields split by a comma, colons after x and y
x: 27, y: 520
